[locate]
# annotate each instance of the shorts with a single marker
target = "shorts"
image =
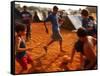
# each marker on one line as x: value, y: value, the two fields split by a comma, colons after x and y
x: 24, y: 61
x: 56, y: 36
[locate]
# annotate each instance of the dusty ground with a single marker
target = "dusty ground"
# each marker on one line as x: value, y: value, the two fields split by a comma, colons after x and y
x: 50, y: 61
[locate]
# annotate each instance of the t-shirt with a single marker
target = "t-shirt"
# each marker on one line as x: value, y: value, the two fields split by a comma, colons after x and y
x: 54, y: 20
x: 26, y: 16
x: 86, y: 22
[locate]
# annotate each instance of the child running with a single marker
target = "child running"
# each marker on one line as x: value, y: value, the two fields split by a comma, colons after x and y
x: 85, y: 45
x: 21, y: 50
x: 56, y: 35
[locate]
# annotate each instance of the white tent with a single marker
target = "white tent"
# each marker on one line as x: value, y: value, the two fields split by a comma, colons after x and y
x: 41, y: 15
x: 72, y: 22
x: 75, y: 21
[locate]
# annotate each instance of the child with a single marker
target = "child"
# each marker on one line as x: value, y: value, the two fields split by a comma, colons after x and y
x: 21, y: 55
x: 56, y: 35
x: 87, y: 23
x: 26, y: 19
x: 85, y: 45
x: 61, y: 18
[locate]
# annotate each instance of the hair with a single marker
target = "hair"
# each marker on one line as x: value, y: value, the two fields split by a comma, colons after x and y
x: 19, y: 28
x: 82, y: 32
x: 85, y: 12
x: 24, y: 7
x: 55, y: 7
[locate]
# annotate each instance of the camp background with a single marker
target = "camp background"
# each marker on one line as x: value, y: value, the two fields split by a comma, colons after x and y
x: 5, y: 38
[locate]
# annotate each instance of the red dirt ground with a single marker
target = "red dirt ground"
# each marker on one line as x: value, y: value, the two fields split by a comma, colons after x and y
x: 50, y: 61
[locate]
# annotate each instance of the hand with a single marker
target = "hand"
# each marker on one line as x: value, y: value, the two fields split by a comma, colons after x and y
x: 61, y: 21
x: 30, y: 48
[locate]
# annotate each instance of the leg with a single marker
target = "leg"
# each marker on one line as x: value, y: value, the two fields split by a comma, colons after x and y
x: 28, y: 32
x: 60, y: 43
x: 45, y: 47
x: 30, y: 61
x: 50, y: 42
x: 81, y: 61
x: 23, y: 63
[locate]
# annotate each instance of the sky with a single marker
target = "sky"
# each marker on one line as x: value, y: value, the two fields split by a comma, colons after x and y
x: 64, y: 7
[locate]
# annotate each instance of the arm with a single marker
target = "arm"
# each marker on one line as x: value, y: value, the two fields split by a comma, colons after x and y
x: 47, y: 19
x: 30, y: 18
x: 94, y: 41
x: 61, y: 20
x: 22, y: 49
x: 46, y: 29
x: 21, y: 15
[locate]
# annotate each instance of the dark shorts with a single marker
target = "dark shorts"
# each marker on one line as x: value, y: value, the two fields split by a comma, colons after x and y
x: 56, y: 36
x: 24, y: 61
x: 79, y: 46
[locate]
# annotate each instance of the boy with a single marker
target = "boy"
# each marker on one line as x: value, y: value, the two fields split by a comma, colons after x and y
x: 85, y: 45
x: 21, y: 50
x: 56, y: 35
x: 26, y: 19
x: 87, y: 23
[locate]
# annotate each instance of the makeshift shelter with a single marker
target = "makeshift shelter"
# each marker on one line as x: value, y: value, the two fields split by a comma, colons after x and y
x: 72, y: 22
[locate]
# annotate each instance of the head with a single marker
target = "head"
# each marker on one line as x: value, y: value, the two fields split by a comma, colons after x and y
x: 84, y: 13
x: 82, y: 34
x: 35, y: 12
x: 20, y: 30
x: 25, y: 8
x: 55, y: 9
